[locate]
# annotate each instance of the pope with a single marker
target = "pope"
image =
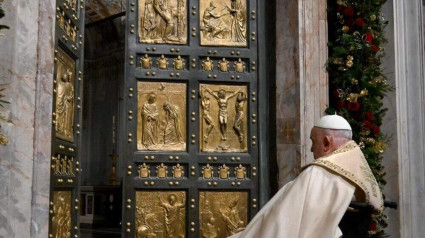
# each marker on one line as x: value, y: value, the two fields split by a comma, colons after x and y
x: 314, y: 203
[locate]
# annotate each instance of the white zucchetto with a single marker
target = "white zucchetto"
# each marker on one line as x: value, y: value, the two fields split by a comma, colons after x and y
x: 333, y: 122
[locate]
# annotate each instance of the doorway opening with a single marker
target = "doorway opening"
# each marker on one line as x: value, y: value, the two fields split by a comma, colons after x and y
x: 100, y: 188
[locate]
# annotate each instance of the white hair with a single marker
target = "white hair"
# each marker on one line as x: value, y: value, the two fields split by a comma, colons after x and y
x: 339, y: 137
x: 339, y: 133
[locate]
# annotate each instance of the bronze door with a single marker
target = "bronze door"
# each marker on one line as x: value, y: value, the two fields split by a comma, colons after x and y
x: 66, y: 119
x: 189, y: 128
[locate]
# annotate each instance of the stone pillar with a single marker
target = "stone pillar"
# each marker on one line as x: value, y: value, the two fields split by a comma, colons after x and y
x: 301, y: 80
x: 26, y: 70
x: 410, y: 98
x: 389, y: 127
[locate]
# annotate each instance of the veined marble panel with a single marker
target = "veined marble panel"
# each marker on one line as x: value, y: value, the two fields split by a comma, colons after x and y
x: 42, y: 124
x: 301, y: 80
x: 22, y: 55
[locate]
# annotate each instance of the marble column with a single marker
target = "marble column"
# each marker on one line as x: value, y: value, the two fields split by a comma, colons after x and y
x: 301, y: 80
x: 389, y: 127
x: 410, y: 98
x: 26, y: 71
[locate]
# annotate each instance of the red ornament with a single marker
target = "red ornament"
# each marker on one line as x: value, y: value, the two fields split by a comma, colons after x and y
x: 376, y: 130
x: 354, y: 106
x: 359, y: 22
x: 348, y: 12
x: 369, y: 116
x: 374, y: 48
x: 341, y: 104
x: 372, y: 226
x: 367, y: 124
x: 369, y: 37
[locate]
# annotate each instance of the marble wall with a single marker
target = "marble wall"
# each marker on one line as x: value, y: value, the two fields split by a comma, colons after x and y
x: 26, y: 71
x: 301, y: 81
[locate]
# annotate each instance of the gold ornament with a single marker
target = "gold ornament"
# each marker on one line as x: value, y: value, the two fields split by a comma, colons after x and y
x: 345, y: 29
x: 352, y: 97
x: 146, y: 62
x: 162, y: 62
x: 350, y: 58
x: 342, y: 3
x: 349, y: 63
x: 372, y: 17
x: 340, y: 68
x: 178, y: 63
x: 223, y: 65
x: 354, y: 81
x: 363, y: 93
x: 370, y: 141
x: 207, y: 64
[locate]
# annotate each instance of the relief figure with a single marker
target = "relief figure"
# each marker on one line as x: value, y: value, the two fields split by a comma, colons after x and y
x: 222, y: 214
x: 223, y: 22
x: 238, y: 22
x: 209, y: 230
x: 160, y: 214
x: 213, y: 25
x: 65, y: 106
x: 223, y: 114
x: 162, y: 125
x: 230, y: 215
x: 163, y: 21
x: 150, y: 121
x: 239, y: 116
x: 172, y: 130
x: 206, y: 109
x: 61, y: 220
x: 143, y: 229
x: 173, y: 218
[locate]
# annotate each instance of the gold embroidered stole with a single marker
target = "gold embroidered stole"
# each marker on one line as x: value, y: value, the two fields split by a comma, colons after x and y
x: 349, y: 162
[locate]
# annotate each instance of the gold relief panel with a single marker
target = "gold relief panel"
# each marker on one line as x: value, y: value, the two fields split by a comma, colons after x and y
x: 63, y: 165
x: 161, y: 121
x: 223, y: 22
x: 160, y: 214
x: 222, y: 214
x: 223, y: 119
x: 64, y: 90
x: 61, y: 218
x: 163, y: 21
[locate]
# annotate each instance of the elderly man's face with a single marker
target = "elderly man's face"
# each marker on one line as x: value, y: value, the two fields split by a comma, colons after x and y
x: 317, y: 143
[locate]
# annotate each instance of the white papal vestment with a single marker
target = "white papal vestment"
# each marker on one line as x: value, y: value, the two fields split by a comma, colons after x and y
x: 314, y: 203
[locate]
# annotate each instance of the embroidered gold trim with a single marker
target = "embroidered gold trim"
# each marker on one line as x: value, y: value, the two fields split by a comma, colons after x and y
x: 344, y: 173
